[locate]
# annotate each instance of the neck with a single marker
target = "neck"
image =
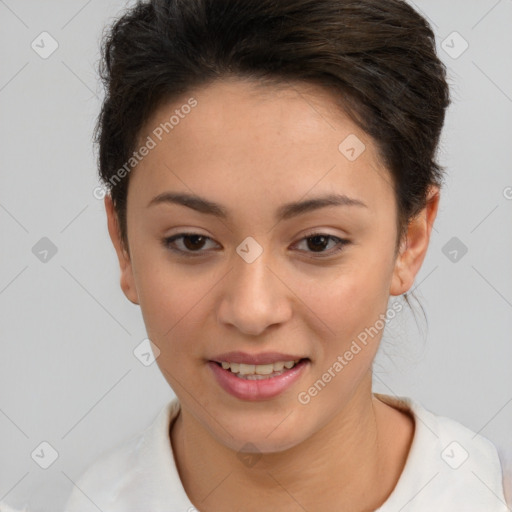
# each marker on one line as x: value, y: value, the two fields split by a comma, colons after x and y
x: 341, y: 463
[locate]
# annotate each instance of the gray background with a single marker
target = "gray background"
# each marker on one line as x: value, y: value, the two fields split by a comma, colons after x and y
x: 68, y: 375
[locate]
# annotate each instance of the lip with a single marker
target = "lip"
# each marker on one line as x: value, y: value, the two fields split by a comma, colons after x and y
x: 263, y: 358
x: 253, y: 390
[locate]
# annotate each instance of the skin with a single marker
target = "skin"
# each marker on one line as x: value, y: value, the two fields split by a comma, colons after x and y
x: 252, y: 149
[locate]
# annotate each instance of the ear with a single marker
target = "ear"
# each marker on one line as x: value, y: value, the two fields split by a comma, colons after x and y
x: 125, y: 264
x: 414, y: 246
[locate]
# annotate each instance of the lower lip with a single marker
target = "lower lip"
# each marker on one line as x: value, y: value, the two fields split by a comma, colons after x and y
x: 257, y: 389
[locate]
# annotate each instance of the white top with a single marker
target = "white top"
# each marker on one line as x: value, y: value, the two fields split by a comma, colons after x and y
x: 449, y: 468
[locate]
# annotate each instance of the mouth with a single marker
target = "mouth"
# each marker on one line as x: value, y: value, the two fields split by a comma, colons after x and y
x: 250, y: 382
x: 259, y: 371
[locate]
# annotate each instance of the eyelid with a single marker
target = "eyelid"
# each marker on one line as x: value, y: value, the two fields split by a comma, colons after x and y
x: 166, y: 241
x: 341, y: 243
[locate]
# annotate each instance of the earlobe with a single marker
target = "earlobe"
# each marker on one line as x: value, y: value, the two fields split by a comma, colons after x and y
x: 414, y: 246
x: 127, y: 280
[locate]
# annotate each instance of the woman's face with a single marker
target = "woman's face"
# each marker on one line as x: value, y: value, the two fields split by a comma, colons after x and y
x: 251, y: 281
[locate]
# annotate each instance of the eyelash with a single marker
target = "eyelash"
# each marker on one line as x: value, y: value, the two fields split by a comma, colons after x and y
x: 342, y: 242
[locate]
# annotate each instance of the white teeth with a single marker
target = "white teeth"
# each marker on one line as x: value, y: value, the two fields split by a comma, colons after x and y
x: 258, y: 369
x: 246, y: 369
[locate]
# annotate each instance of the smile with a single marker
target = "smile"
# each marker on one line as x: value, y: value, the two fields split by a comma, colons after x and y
x: 257, y: 382
x: 258, y: 371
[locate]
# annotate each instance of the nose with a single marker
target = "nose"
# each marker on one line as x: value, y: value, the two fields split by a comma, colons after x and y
x: 254, y: 296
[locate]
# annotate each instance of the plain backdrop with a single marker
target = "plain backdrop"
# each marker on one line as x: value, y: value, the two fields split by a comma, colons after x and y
x: 68, y: 374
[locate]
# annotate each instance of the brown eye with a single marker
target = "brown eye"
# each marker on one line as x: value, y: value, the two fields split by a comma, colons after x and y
x: 318, y: 242
x: 192, y: 243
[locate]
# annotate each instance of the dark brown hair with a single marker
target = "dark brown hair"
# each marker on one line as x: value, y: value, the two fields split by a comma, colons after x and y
x: 377, y: 56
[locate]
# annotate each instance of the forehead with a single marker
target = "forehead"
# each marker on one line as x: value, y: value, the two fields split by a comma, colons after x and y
x: 250, y: 137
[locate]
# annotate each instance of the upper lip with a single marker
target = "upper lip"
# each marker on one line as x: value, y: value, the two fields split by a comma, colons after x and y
x: 263, y: 358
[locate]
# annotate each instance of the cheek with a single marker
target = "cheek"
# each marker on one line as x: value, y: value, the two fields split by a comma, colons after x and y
x: 351, y: 303
x: 176, y: 305
x: 351, y: 306
x: 166, y: 296
x: 352, y: 298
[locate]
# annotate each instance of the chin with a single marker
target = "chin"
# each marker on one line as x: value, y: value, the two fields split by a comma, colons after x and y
x: 258, y: 439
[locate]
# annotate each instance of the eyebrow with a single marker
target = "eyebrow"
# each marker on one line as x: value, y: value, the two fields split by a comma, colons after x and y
x: 284, y: 212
